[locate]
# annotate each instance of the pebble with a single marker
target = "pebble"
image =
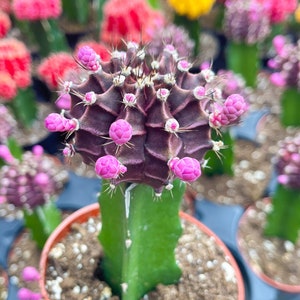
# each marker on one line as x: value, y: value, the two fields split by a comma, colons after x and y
x: 229, y: 272
x: 57, y: 251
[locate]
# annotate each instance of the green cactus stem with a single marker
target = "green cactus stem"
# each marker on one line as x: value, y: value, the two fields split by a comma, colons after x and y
x: 284, y: 219
x: 24, y: 107
x: 77, y: 11
x: 290, y: 107
x: 139, y: 234
x: 46, y: 35
x: 243, y: 59
x: 41, y: 221
x: 220, y: 162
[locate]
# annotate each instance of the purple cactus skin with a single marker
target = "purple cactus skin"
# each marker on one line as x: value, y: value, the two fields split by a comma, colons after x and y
x: 146, y: 113
x: 31, y: 182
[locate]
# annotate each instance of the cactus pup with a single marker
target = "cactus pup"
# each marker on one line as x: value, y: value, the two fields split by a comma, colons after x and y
x: 144, y: 124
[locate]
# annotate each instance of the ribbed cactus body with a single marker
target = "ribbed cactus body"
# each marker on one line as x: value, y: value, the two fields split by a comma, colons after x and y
x: 144, y: 112
x: 147, y: 95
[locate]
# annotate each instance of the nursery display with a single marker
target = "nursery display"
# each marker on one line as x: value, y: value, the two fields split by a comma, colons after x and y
x: 268, y: 234
x: 148, y: 113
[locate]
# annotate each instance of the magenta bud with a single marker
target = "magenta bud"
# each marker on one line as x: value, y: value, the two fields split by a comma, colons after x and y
x: 120, y: 132
x: 278, y: 43
x: 283, y: 179
x: 277, y: 79
x: 187, y: 169
x: 63, y: 101
x: 26, y: 294
x: 89, y: 58
x: 5, y: 154
x: 38, y: 150
x: 108, y: 167
x: 55, y: 122
x: 41, y: 179
x: 30, y: 274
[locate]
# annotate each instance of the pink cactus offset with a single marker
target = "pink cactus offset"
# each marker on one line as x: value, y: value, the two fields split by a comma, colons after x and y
x: 108, y: 167
x: 230, y: 112
x: 58, y: 123
x: 120, y: 132
x: 89, y: 58
x: 33, y: 10
x: 149, y: 121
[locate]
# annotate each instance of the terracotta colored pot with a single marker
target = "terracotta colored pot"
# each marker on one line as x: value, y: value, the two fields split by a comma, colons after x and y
x: 3, y: 284
x: 92, y: 210
x: 284, y: 289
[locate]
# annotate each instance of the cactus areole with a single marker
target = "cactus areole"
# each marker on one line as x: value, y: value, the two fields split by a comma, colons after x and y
x: 146, y: 127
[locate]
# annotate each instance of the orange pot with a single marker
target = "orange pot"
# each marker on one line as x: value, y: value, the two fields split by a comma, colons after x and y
x: 92, y: 210
x: 285, y: 288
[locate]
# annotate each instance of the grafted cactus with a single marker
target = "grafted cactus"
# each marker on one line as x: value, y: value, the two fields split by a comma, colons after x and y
x: 29, y: 182
x: 143, y: 123
x: 284, y: 219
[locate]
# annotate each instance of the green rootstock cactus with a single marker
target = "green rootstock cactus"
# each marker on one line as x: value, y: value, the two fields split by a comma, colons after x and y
x: 284, y: 219
x: 145, y: 125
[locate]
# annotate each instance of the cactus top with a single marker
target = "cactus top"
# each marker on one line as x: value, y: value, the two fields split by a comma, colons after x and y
x: 143, y: 120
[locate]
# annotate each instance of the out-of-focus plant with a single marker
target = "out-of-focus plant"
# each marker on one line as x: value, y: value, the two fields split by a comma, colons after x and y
x: 16, y: 89
x: 246, y: 25
x: 283, y: 220
x: 38, y: 21
x: 286, y: 71
x: 30, y: 181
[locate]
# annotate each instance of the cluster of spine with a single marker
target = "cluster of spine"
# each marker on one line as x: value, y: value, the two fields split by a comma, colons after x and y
x: 287, y: 162
x: 136, y: 21
x: 143, y: 120
x: 8, y: 124
x: 33, y: 10
x: 286, y: 63
x: 15, y: 60
x: 174, y: 35
x: 31, y: 181
x: 246, y: 21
